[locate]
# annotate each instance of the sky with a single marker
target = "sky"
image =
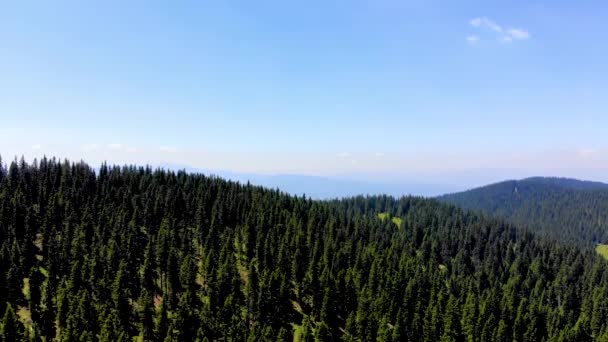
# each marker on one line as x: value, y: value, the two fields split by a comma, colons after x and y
x: 452, y: 92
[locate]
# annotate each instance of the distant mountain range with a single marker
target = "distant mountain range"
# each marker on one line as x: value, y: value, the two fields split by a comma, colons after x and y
x: 318, y: 187
x: 560, y: 208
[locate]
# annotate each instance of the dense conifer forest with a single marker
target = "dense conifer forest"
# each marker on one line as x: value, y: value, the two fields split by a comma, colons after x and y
x: 135, y: 254
x: 561, y: 209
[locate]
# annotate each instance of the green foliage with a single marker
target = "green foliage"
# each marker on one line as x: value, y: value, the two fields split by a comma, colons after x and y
x: 564, y: 210
x: 602, y: 249
x: 11, y: 328
x: 135, y: 254
x: 383, y: 216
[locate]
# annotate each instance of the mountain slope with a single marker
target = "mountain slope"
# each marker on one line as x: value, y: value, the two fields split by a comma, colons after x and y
x: 559, y: 208
x: 130, y: 253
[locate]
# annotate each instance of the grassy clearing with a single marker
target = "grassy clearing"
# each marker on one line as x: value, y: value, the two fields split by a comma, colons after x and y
x: 602, y: 249
x: 200, y: 281
x: 297, y: 332
x: 25, y: 317
x: 296, y: 306
x: 383, y: 216
x: 26, y: 288
x: 398, y: 221
x: 243, y: 273
x: 158, y: 301
x: 39, y: 241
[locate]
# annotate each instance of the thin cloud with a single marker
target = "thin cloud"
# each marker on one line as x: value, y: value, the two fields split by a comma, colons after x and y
x: 505, y: 35
x: 518, y: 34
x: 485, y: 23
x: 472, y: 39
x: 36, y: 147
x: 344, y: 155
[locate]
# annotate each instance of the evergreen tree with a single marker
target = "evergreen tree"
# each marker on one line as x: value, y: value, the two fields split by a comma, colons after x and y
x: 11, y: 328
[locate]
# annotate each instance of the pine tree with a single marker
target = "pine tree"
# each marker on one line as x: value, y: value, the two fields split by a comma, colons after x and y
x: 11, y: 328
x: 146, y: 315
x: 451, y: 322
x: 469, y: 317
x: 161, y: 322
x: 283, y: 336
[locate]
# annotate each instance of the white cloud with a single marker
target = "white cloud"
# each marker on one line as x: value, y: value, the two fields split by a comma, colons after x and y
x: 472, y: 39
x: 344, y: 155
x: 518, y: 33
x: 505, y: 35
x: 131, y: 149
x: 486, y: 23
x: 379, y: 154
x: 115, y: 146
x: 36, y: 147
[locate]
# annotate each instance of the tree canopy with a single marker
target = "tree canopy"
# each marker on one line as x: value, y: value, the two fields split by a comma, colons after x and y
x: 561, y: 209
x: 135, y: 254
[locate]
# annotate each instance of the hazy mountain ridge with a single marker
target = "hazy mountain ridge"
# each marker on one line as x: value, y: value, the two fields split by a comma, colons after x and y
x: 568, y: 183
x: 326, y: 187
x: 560, y: 208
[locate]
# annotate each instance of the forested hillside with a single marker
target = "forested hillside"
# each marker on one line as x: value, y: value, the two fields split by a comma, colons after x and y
x: 135, y: 254
x: 562, y: 209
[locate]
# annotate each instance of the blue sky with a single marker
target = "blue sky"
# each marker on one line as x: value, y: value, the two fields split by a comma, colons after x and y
x: 455, y: 91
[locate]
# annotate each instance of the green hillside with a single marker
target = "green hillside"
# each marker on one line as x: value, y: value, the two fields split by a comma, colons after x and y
x: 135, y: 254
x: 561, y: 209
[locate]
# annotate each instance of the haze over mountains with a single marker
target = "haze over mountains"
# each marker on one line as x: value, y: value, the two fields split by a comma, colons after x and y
x: 329, y: 187
x: 338, y: 186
